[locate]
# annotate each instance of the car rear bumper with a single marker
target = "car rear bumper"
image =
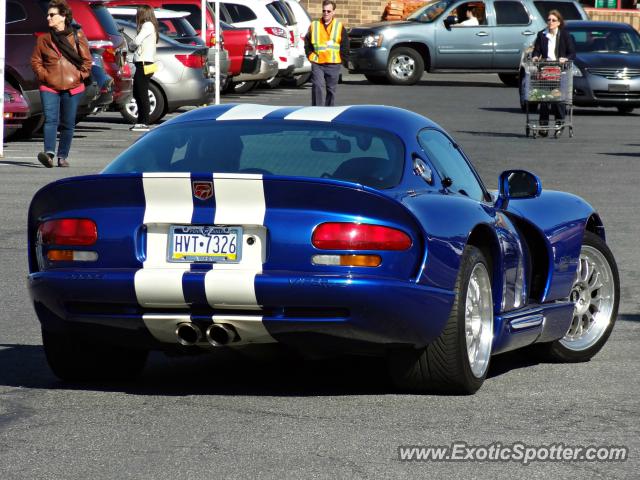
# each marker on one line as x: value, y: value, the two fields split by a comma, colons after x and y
x: 366, y: 60
x: 268, y: 68
x: 192, y: 90
x: 292, y: 306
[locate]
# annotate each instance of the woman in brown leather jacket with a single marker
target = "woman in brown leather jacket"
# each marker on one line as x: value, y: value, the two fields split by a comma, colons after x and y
x: 61, y: 60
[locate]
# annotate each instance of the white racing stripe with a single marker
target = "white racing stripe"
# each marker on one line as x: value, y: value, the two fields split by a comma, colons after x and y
x: 247, y: 111
x: 239, y: 201
x: 168, y: 200
x: 317, y: 114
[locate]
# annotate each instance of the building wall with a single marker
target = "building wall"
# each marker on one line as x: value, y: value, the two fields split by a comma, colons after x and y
x: 350, y: 12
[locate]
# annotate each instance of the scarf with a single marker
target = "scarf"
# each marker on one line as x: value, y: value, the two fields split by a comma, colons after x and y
x: 62, y: 42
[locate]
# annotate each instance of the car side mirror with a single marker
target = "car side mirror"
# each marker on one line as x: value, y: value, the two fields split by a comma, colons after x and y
x: 450, y: 20
x: 517, y: 184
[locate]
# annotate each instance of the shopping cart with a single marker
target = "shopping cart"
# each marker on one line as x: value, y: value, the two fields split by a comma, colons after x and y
x: 548, y: 82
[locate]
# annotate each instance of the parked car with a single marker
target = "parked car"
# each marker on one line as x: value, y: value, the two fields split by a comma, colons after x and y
x: 237, y: 225
x: 25, y: 20
x: 16, y: 110
x: 300, y: 76
x: 399, y: 52
x: 175, y: 25
x: 103, y: 35
x: 606, y: 71
x: 240, y: 43
x: 268, y: 68
x: 265, y: 19
x: 182, y: 78
x: 102, y: 86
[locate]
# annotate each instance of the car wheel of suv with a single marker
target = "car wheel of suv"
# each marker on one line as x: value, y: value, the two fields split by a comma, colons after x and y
x: 156, y: 106
x: 625, y: 110
x: 509, y: 79
x: 405, y: 66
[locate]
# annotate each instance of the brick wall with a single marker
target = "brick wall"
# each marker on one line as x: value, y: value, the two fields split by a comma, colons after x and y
x: 620, y: 16
x: 350, y: 12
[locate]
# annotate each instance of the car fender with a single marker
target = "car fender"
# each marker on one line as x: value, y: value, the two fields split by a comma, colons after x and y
x: 561, y: 219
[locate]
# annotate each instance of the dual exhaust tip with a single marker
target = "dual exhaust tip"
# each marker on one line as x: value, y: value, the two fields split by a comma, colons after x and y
x: 217, y: 334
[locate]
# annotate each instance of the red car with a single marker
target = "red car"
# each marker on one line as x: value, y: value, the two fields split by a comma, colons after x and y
x: 239, y: 42
x: 102, y: 32
x: 16, y: 110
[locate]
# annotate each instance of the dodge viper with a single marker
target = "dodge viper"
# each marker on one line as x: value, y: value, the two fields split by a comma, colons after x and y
x: 329, y: 230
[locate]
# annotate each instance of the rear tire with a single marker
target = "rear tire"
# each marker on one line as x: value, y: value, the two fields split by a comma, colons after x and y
x: 156, y: 106
x: 297, y: 81
x: 243, y: 87
x: 625, y: 110
x: 74, y: 359
x: 458, y: 360
x: 596, y: 295
x: 405, y: 66
x: 272, y: 82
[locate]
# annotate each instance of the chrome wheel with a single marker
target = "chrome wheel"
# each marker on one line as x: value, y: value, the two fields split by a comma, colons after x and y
x: 402, y: 67
x: 478, y: 316
x: 593, y: 296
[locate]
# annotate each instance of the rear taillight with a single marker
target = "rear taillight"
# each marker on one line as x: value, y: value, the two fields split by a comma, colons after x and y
x: 250, y: 48
x: 292, y: 39
x: 212, y: 40
x: 106, y: 49
x: 68, y: 231
x: 266, y: 49
x: 126, y: 71
x: 191, y: 61
x: 359, y: 236
x: 277, y: 31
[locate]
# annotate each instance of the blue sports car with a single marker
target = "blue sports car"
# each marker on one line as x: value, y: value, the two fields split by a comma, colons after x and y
x: 356, y: 229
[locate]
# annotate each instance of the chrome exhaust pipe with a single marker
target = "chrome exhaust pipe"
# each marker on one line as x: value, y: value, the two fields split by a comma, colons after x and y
x: 220, y: 334
x: 188, y: 333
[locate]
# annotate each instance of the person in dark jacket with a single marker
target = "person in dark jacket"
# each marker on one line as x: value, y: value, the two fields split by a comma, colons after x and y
x: 61, y: 61
x: 327, y: 48
x: 555, y: 44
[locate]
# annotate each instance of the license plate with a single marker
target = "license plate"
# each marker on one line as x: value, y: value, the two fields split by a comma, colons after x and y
x: 613, y: 87
x: 204, y: 243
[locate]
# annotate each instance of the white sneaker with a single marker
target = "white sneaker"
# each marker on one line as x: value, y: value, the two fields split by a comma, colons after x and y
x: 140, y: 127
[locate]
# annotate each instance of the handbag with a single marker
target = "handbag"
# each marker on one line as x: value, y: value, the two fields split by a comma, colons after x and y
x: 150, y: 69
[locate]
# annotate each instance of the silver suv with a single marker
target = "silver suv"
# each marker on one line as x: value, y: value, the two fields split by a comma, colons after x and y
x: 434, y: 38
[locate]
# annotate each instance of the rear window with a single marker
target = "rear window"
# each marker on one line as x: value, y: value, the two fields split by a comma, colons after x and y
x: 371, y: 157
x: 194, y: 12
x: 239, y: 13
x: 568, y: 10
x: 276, y: 14
x: 105, y: 19
x: 285, y: 12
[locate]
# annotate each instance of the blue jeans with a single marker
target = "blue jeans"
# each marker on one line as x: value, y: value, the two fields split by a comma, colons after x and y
x: 59, y: 109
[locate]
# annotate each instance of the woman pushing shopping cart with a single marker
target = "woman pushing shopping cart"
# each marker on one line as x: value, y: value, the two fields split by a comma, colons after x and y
x: 549, y: 78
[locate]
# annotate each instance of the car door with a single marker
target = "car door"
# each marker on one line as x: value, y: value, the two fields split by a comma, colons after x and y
x: 463, y: 47
x: 512, y: 33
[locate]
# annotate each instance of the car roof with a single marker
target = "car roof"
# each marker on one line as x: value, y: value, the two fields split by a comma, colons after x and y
x: 160, y: 13
x: 392, y: 119
x: 597, y: 24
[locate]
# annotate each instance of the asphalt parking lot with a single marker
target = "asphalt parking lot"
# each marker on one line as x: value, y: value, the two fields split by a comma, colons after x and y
x: 223, y: 416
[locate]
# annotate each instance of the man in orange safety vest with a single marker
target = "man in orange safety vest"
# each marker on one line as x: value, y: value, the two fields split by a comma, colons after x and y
x: 327, y: 47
